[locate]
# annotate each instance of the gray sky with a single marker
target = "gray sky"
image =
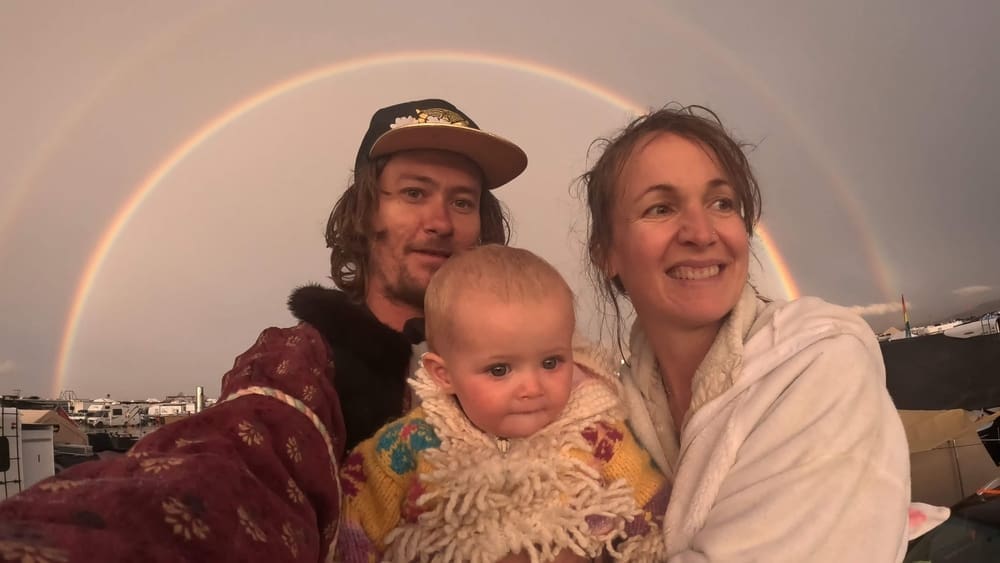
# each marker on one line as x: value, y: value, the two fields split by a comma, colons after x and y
x: 872, y: 124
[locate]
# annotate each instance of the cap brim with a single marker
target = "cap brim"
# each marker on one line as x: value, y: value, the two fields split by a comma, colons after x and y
x: 500, y: 160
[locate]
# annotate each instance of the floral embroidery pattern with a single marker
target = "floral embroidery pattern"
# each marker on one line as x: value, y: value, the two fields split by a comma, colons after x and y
x: 250, y: 435
x: 604, y: 439
x: 352, y: 474
x: 293, y: 538
x: 292, y: 447
x: 308, y: 392
x: 181, y: 442
x: 249, y: 526
x: 137, y: 455
x: 282, y: 368
x: 402, y: 440
x: 293, y: 341
x: 295, y: 493
x: 61, y: 485
x: 159, y: 464
x: 182, y: 521
x: 27, y: 553
x: 653, y: 511
x: 249, y: 356
x: 261, y: 340
x: 411, y: 506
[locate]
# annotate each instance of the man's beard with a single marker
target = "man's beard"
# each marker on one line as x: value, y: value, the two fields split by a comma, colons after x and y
x: 407, y: 290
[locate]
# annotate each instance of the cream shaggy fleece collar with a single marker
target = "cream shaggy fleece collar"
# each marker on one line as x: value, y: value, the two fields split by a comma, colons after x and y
x: 484, y: 500
x: 713, y: 377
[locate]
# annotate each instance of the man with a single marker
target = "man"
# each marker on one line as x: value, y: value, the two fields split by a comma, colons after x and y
x: 418, y: 197
x: 254, y: 478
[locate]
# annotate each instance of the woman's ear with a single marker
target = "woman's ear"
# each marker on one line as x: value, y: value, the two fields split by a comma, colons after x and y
x: 436, y: 368
x: 611, y: 271
x: 602, y: 257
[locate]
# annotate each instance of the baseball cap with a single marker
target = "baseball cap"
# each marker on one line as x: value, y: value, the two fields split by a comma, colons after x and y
x: 438, y: 125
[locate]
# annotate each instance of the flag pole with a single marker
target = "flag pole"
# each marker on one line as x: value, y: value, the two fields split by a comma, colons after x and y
x: 906, y: 316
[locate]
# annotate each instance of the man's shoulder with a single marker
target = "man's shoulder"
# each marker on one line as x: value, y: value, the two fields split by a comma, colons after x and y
x: 369, y: 360
x: 284, y: 341
x: 346, y: 324
x: 318, y: 305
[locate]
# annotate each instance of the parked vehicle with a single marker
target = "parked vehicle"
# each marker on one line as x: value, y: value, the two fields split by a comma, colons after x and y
x: 105, y: 415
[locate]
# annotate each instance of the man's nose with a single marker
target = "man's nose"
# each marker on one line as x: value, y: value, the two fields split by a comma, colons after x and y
x: 438, y: 219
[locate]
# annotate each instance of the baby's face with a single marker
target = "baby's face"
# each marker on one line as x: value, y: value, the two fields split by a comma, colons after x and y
x: 511, y: 364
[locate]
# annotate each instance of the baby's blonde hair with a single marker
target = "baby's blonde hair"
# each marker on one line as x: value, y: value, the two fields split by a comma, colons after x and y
x: 505, y: 273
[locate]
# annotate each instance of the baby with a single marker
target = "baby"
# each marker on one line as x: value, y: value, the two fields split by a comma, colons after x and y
x: 519, y: 445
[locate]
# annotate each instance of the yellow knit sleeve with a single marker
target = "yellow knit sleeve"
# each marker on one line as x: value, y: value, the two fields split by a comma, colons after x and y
x: 376, y: 478
x: 618, y: 455
x: 632, y: 463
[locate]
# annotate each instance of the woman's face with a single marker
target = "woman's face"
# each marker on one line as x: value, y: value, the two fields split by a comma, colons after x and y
x: 679, y: 244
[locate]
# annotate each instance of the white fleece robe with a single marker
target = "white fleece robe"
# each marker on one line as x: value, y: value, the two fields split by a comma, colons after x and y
x: 792, y: 449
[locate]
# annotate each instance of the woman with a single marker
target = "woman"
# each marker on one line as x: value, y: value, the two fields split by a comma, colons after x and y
x: 771, y: 418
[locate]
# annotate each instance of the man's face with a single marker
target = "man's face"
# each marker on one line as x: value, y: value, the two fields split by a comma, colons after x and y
x: 428, y: 209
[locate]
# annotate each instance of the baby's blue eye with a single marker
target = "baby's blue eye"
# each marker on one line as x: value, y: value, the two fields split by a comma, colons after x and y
x: 499, y: 370
x: 551, y: 363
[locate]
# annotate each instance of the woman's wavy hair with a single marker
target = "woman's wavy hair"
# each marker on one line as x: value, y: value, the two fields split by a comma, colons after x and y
x: 350, y: 229
x: 600, y: 183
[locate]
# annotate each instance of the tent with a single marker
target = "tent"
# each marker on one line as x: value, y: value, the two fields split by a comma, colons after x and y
x: 65, y: 431
x: 938, y: 372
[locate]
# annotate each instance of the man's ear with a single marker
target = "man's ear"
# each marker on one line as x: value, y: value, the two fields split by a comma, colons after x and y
x: 438, y: 371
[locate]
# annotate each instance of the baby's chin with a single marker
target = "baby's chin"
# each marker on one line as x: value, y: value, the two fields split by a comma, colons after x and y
x: 523, y: 428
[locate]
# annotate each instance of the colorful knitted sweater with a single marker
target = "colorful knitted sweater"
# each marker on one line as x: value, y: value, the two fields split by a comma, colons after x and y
x: 432, y: 487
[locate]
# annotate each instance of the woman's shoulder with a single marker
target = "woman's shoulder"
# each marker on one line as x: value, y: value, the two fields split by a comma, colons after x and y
x: 808, y: 338
x: 809, y: 319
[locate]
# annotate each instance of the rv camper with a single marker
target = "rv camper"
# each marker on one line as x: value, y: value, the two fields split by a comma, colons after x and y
x: 110, y: 414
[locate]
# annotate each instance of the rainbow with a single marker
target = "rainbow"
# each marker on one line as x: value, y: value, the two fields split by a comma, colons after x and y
x: 788, y: 284
x: 870, y: 247
x: 126, y: 211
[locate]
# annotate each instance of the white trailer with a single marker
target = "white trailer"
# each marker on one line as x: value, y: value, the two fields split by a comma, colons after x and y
x: 26, y: 453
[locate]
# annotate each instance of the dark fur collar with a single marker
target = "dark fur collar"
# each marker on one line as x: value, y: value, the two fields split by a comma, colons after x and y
x: 371, y: 360
x: 345, y: 324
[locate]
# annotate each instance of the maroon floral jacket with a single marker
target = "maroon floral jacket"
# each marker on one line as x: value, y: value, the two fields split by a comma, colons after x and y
x: 252, y: 478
